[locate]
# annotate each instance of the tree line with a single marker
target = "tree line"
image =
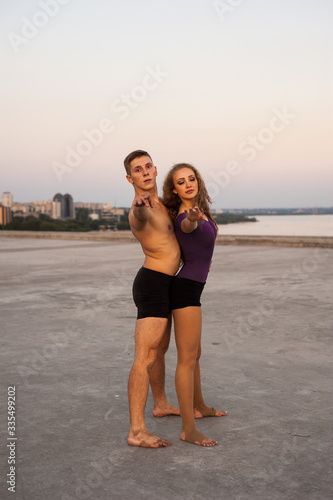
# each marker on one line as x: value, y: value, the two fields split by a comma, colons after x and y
x: 83, y: 223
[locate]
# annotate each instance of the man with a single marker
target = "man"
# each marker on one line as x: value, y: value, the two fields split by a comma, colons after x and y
x: 152, y: 226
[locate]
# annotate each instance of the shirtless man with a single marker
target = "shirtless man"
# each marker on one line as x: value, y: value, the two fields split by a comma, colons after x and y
x: 152, y: 226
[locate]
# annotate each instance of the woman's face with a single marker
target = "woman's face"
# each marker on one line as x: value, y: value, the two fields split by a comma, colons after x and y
x: 185, y: 184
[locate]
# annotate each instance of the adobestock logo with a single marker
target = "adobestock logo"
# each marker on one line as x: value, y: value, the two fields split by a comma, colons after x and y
x: 226, y: 7
x: 31, y: 28
x: 122, y: 106
x: 249, y: 148
x: 285, y: 289
x: 75, y: 155
x: 265, y: 136
x: 126, y: 102
x: 222, y: 178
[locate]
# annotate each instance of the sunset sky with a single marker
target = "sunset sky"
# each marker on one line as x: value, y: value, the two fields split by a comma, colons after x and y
x: 243, y: 90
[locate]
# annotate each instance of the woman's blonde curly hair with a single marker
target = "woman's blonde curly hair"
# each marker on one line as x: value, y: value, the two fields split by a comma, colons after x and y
x: 172, y: 200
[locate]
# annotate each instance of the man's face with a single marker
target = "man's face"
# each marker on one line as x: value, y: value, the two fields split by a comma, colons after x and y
x: 143, y: 173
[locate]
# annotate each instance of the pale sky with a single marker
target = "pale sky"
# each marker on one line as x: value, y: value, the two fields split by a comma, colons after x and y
x: 243, y: 90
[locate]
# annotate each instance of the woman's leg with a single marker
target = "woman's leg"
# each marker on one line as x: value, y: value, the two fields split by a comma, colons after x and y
x: 187, y: 323
x: 199, y: 405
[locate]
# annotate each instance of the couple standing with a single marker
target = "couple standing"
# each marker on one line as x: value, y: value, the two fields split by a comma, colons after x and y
x: 182, y: 223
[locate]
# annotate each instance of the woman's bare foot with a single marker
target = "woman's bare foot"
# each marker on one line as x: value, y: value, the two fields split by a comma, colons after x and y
x: 208, y: 412
x: 165, y: 410
x: 146, y: 440
x: 197, y: 437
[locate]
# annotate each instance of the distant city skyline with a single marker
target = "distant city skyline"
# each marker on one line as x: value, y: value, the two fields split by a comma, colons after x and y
x: 242, y: 90
x: 108, y: 203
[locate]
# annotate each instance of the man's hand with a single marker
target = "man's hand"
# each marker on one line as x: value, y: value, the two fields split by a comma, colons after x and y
x: 144, y: 200
x: 141, y: 210
x: 194, y: 214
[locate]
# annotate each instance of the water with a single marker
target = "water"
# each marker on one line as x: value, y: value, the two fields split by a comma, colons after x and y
x: 282, y: 225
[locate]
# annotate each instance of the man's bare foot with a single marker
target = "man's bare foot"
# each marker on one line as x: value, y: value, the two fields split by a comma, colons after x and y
x: 146, y: 440
x: 164, y: 411
x: 197, y: 437
x: 208, y: 412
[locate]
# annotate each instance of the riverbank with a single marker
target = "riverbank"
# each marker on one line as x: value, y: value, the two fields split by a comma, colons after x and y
x: 225, y: 239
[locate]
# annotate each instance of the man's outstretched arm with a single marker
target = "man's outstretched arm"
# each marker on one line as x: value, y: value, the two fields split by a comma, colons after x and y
x: 141, y: 210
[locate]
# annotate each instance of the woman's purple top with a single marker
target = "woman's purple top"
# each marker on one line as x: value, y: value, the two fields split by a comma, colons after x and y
x: 197, y: 248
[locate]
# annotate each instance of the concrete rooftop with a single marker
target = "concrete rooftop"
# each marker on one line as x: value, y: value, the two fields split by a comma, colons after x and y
x: 67, y: 346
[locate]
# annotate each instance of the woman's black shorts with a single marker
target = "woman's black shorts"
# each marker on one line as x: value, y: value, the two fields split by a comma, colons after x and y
x: 185, y: 293
x: 151, y: 293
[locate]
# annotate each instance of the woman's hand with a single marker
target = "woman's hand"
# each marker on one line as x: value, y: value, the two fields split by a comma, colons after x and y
x: 194, y: 214
x: 190, y: 223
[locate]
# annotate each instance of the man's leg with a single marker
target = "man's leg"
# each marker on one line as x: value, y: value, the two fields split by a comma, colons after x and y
x: 148, y: 335
x: 162, y: 407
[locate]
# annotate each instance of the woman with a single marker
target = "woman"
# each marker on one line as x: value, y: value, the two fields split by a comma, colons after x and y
x: 186, y: 197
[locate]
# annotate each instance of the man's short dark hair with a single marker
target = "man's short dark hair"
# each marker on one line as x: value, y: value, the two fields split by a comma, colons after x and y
x: 135, y: 154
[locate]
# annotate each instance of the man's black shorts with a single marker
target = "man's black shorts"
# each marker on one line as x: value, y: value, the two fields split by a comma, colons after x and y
x: 151, y: 293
